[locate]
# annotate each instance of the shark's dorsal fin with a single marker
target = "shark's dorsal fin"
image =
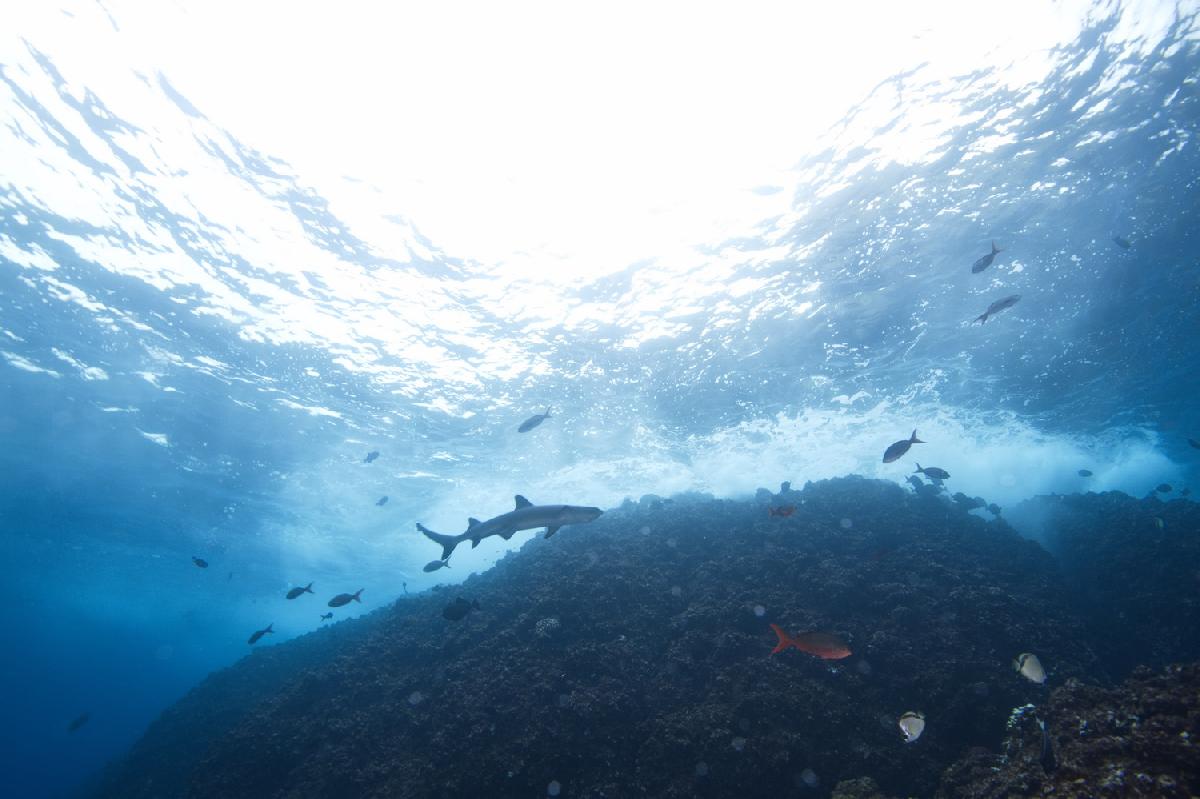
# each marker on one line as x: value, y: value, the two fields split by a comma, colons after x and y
x: 473, y: 522
x: 522, y: 502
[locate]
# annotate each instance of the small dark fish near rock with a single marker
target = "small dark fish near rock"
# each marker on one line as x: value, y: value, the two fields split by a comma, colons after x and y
x: 932, y: 472
x: 998, y: 306
x: 994, y: 508
x: 381, y: 501
x: 533, y: 421
x: 1121, y: 242
x: 1195, y: 444
x: 1163, y: 488
x: 371, y: 456
x: 297, y: 591
x: 201, y: 562
x: 459, y: 608
x: 260, y: 633
x: 434, y: 565
x: 344, y: 599
x: 895, y: 451
x: 78, y: 722
x: 1084, y: 472
x: 985, y: 261
x: 327, y: 616
x: 782, y: 510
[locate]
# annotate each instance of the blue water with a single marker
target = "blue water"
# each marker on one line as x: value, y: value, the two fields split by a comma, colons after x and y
x: 199, y: 365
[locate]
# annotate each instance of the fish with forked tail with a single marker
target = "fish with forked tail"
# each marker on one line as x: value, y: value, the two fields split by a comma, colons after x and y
x: 298, y: 590
x: 533, y: 421
x: 896, y: 450
x: 826, y: 646
x: 345, y: 599
x: 525, y: 516
x: 933, y: 472
x: 998, y: 306
x: 985, y: 261
x: 260, y: 633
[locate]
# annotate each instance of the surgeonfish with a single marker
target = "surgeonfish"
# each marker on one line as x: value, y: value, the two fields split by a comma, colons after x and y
x: 933, y: 472
x: 297, y: 591
x: 912, y: 724
x: 260, y: 633
x: 896, y: 450
x: 344, y: 599
x: 985, y: 261
x: 533, y: 421
x: 201, y: 562
x: 824, y: 645
x: 1030, y: 667
x: 434, y: 565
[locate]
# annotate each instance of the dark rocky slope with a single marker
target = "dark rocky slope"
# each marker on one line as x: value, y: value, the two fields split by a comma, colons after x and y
x: 626, y: 658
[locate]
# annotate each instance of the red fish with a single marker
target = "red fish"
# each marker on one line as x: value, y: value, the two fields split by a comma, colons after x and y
x: 782, y: 510
x: 824, y: 645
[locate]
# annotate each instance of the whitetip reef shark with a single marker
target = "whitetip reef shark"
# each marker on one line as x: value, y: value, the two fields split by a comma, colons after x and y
x: 525, y: 516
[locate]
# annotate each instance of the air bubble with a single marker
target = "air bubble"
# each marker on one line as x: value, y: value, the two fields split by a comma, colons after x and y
x: 760, y: 611
x: 676, y: 591
x: 846, y: 524
x: 809, y: 778
x: 416, y: 698
x: 554, y: 788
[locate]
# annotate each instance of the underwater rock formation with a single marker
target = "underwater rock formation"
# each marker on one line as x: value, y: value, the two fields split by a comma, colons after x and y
x: 655, y: 677
x: 1133, y: 570
x: 1135, y: 740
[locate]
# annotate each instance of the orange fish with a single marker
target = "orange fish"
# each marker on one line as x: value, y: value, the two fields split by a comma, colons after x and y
x: 824, y: 645
x: 782, y: 510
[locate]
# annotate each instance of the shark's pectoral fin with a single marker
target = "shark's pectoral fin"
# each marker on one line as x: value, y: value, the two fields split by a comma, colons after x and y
x: 475, y: 542
x: 522, y: 502
x: 507, y: 534
x: 552, y: 530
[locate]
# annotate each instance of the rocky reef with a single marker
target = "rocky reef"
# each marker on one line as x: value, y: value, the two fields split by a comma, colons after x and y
x: 632, y: 656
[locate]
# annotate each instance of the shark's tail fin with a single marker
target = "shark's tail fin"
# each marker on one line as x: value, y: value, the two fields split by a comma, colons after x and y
x: 447, y: 542
x: 785, y: 640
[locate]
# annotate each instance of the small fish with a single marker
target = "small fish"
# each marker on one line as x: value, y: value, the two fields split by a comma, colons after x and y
x: 895, y: 451
x: 459, y: 608
x: 371, y: 456
x: 1195, y: 444
x: 327, y: 616
x: 297, y: 591
x: 434, y: 565
x: 1121, y: 242
x: 782, y: 510
x: 998, y: 306
x: 994, y: 508
x: 932, y: 472
x: 1159, y: 523
x: 201, y: 562
x: 260, y: 633
x: 1163, y: 488
x: 1048, y: 760
x: 1030, y: 667
x: 344, y: 599
x: 533, y: 421
x: 78, y: 722
x: 985, y: 261
x: 381, y: 501
x: 1085, y: 472
x: 912, y: 724
x: 824, y: 645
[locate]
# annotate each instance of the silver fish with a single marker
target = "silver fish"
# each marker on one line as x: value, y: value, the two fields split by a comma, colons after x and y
x: 998, y: 306
x: 896, y: 450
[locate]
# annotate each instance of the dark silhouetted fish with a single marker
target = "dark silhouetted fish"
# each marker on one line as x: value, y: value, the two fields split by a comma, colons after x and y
x: 782, y: 510
x: 297, y: 591
x: 1121, y: 242
x: 985, y: 261
x: 932, y: 472
x: 201, y: 562
x: 1194, y: 443
x: 998, y: 306
x: 1085, y: 472
x: 525, y: 516
x: 327, y: 616
x: 1163, y: 488
x: 371, y: 456
x: 533, y: 421
x: 434, y: 565
x: 826, y: 646
x: 344, y: 599
x: 382, y: 501
x: 994, y: 508
x: 78, y: 722
x: 459, y: 608
x: 895, y: 451
x: 260, y: 633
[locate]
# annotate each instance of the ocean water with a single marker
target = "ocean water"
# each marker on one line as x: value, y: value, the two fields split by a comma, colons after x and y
x: 201, y: 342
